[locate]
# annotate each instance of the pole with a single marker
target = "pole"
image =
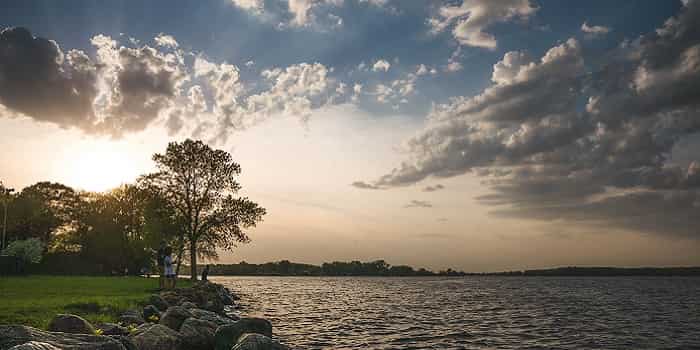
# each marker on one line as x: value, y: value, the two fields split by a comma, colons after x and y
x: 4, y: 224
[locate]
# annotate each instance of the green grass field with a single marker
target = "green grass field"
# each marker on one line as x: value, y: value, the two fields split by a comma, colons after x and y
x: 34, y: 300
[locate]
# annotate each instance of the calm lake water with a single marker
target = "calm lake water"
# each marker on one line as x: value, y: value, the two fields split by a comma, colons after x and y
x: 476, y: 312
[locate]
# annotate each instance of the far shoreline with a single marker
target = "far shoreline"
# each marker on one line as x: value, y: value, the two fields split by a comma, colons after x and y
x: 569, y: 271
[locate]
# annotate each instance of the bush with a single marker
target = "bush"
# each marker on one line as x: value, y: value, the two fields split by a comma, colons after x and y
x: 29, y: 250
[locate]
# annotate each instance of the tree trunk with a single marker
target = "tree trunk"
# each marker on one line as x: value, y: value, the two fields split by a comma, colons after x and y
x: 180, y: 253
x: 193, y: 260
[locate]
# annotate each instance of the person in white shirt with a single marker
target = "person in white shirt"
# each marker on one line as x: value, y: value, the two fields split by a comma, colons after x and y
x: 169, y: 271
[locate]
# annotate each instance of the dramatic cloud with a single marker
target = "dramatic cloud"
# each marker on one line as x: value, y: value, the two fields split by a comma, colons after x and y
x: 37, y: 79
x: 469, y: 20
x: 124, y: 89
x: 418, y: 204
x: 547, y: 156
x: 120, y: 90
x: 594, y: 31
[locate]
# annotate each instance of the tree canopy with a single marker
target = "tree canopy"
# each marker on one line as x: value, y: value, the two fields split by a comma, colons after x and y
x: 199, y: 183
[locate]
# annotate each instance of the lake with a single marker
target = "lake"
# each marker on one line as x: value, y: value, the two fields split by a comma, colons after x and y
x: 475, y: 312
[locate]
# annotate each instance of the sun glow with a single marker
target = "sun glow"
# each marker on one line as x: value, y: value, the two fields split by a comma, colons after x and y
x: 101, y: 165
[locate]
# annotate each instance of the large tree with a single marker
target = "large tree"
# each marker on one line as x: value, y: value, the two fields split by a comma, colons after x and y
x: 41, y: 211
x: 200, y: 184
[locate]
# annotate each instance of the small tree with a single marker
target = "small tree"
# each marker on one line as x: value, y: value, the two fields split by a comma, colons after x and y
x: 29, y: 250
x: 199, y: 183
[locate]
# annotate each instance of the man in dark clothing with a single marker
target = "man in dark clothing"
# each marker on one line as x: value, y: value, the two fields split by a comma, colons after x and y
x: 205, y: 273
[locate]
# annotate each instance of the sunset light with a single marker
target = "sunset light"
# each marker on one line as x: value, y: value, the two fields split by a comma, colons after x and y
x: 434, y: 174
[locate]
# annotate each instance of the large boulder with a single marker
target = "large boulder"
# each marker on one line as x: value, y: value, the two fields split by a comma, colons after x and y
x: 212, y: 317
x: 158, y: 301
x: 175, y: 316
x: 130, y: 317
x: 67, y: 323
x: 11, y: 336
x: 34, y: 345
x: 151, y: 313
x: 198, y: 334
x: 227, y: 336
x: 156, y: 337
x: 258, y: 342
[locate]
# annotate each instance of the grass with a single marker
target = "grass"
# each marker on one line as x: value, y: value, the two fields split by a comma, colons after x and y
x: 35, y: 300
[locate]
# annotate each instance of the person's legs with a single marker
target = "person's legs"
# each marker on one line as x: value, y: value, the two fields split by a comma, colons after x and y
x: 161, y: 277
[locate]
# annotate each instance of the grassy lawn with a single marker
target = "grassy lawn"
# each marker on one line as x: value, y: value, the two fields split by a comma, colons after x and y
x: 34, y: 300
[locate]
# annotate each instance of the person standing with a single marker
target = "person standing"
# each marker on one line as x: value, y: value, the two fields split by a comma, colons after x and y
x: 169, y: 270
x: 161, y: 263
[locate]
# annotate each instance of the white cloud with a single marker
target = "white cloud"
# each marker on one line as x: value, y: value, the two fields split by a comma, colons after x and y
x: 594, y: 31
x: 166, y: 41
x: 381, y: 65
x: 254, y: 6
x: 469, y: 20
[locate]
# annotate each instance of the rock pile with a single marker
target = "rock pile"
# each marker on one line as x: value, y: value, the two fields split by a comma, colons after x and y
x: 182, y: 319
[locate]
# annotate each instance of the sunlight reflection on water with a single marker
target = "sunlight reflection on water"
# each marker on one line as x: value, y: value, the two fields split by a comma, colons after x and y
x: 475, y: 312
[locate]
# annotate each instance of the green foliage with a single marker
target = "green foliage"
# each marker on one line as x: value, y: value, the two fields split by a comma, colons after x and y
x: 34, y: 300
x: 41, y: 211
x: 30, y: 250
x: 199, y: 184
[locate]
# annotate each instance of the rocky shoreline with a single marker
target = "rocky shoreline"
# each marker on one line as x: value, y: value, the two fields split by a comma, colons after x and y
x: 196, y: 318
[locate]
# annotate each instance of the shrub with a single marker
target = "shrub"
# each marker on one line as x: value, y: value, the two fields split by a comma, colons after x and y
x: 29, y: 250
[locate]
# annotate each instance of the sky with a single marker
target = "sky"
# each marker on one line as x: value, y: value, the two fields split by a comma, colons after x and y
x: 474, y: 134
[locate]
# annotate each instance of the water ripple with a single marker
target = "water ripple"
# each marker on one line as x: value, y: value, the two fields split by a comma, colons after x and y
x: 476, y: 312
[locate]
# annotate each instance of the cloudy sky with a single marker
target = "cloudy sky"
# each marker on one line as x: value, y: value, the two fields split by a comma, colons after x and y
x: 475, y: 134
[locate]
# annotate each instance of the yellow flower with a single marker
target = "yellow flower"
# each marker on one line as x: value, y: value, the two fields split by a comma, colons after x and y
x: 153, y: 318
x: 98, y: 331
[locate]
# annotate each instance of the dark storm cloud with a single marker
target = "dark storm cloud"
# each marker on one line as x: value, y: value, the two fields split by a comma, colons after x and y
x: 545, y: 156
x: 39, y: 80
x: 120, y: 90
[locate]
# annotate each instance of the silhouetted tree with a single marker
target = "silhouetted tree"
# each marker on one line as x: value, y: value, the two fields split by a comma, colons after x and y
x: 42, y: 210
x: 199, y: 183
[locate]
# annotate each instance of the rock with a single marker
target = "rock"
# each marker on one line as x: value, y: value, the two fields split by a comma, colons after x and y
x: 18, y: 335
x: 172, y: 298
x: 189, y: 305
x: 156, y: 337
x: 131, y: 317
x: 227, y: 336
x: 157, y: 301
x: 149, y: 311
x: 126, y: 341
x: 211, y: 317
x: 174, y: 317
x: 34, y: 345
x: 198, y: 334
x: 252, y: 341
x: 67, y: 323
x: 112, y: 329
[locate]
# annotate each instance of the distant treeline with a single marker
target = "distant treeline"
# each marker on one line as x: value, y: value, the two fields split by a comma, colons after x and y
x: 381, y: 268
x: 336, y: 268
x: 605, y: 271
